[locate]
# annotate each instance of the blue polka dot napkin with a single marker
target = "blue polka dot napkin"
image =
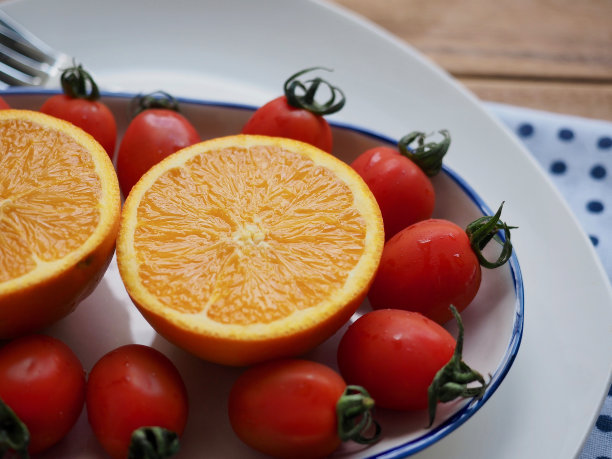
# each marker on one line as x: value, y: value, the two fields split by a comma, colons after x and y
x: 577, y: 154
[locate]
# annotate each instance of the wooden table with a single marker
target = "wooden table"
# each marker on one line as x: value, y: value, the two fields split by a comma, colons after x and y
x: 552, y: 55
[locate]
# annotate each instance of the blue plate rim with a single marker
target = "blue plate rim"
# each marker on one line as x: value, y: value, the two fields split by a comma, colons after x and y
x: 470, y: 408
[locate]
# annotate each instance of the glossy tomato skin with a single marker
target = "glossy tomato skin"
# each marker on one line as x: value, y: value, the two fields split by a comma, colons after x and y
x: 394, y: 354
x: 287, y: 408
x: 134, y: 386
x: 426, y: 268
x: 94, y: 117
x: 151, y: 136
x: 4, y: 104
x: 43, y: 382
x: 404, y: 193
x: 279, y: 119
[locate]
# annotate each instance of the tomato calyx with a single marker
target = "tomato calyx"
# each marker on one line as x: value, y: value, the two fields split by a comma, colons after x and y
x: 452, y: 380
x: 302, y: 94
x: 481, y: 231
x: 428, y: 156
x: 79, y: 84
x: 153, y: 443
x: 354, y: 412
x: 157, y: 99
x: 14, y: 435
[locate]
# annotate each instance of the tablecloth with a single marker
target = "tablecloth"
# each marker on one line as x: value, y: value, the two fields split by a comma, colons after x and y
x: 577, y: 154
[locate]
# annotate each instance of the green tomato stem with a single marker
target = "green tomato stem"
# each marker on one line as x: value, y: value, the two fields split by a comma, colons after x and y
x: 302, y: 94
x: 428, y: 156
x: 14, y: 435
x: 157, y: 99
x: 354, y: 413
x: 153, y: 443
x: 451, y: 380
x: 78, y: 84
x: 481, y: 231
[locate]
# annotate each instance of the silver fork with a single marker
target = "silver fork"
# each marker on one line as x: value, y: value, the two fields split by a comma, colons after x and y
x: 25, y: 60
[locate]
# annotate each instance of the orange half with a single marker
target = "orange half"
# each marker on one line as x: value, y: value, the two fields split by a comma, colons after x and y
x: 59, y: 217
x: 246, y: 248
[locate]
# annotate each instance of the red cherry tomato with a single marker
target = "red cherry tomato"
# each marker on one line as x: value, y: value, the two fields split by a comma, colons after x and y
x: 152, y: 135
x: 287, y: 409
x: 399, y: 179
x: 43, y: 382
x: 131, y: 387
x: 403, y: 192
x: 298, y: 116
x: 394, y: 355
x: 279, y: 119
x: 83, y: 109
x: 426, y: 268
x: 4, y: 104
x: 434, y: 264
x: 407, y: 361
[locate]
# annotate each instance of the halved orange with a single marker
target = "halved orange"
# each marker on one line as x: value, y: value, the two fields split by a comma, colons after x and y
x: 59, y: 217
x: 246, y: 248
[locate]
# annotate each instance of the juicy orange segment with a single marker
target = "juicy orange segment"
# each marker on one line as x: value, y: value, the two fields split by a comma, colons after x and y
x: 246, y: 248
x: 59, y: 213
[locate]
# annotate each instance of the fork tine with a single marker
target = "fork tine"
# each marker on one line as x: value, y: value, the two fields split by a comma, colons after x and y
x: 17, y: 37
x: 22, y: 62
x: 9, y: 39
x: 25, y: 60
x: 13, y: 77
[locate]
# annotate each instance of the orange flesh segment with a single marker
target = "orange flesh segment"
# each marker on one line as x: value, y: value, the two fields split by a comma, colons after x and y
x: 250, y: 236
x: 44, y: 190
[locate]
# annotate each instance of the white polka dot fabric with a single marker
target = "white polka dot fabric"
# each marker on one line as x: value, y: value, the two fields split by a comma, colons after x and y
x: 577, y: 154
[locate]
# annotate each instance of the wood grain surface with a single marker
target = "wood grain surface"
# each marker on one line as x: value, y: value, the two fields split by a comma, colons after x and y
x: 552, y: 55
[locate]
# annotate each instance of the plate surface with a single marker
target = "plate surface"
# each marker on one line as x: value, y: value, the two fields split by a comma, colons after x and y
x: 493, y: 322
x: 242, y: 51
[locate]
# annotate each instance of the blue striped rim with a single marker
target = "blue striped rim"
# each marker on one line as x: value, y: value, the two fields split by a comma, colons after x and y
x: 469, y: 408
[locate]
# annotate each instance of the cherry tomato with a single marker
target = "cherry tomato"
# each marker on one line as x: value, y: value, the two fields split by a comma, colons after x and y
x: 157, y: 131
x: 43, y: 382
x: 399, y: 179
x: 406, y: 361
x: 395, y: 355
x: 4, y: 104
x: 80, y: 105
x: 403, y: 192
x: 298, y: 116
x: 131, y: 387
x: 435, y: 263
x: 287, y: 408
x: 425, y: 268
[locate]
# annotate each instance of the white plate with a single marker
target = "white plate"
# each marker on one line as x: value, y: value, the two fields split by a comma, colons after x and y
x: 242, y: 51
x: 493, y: 322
